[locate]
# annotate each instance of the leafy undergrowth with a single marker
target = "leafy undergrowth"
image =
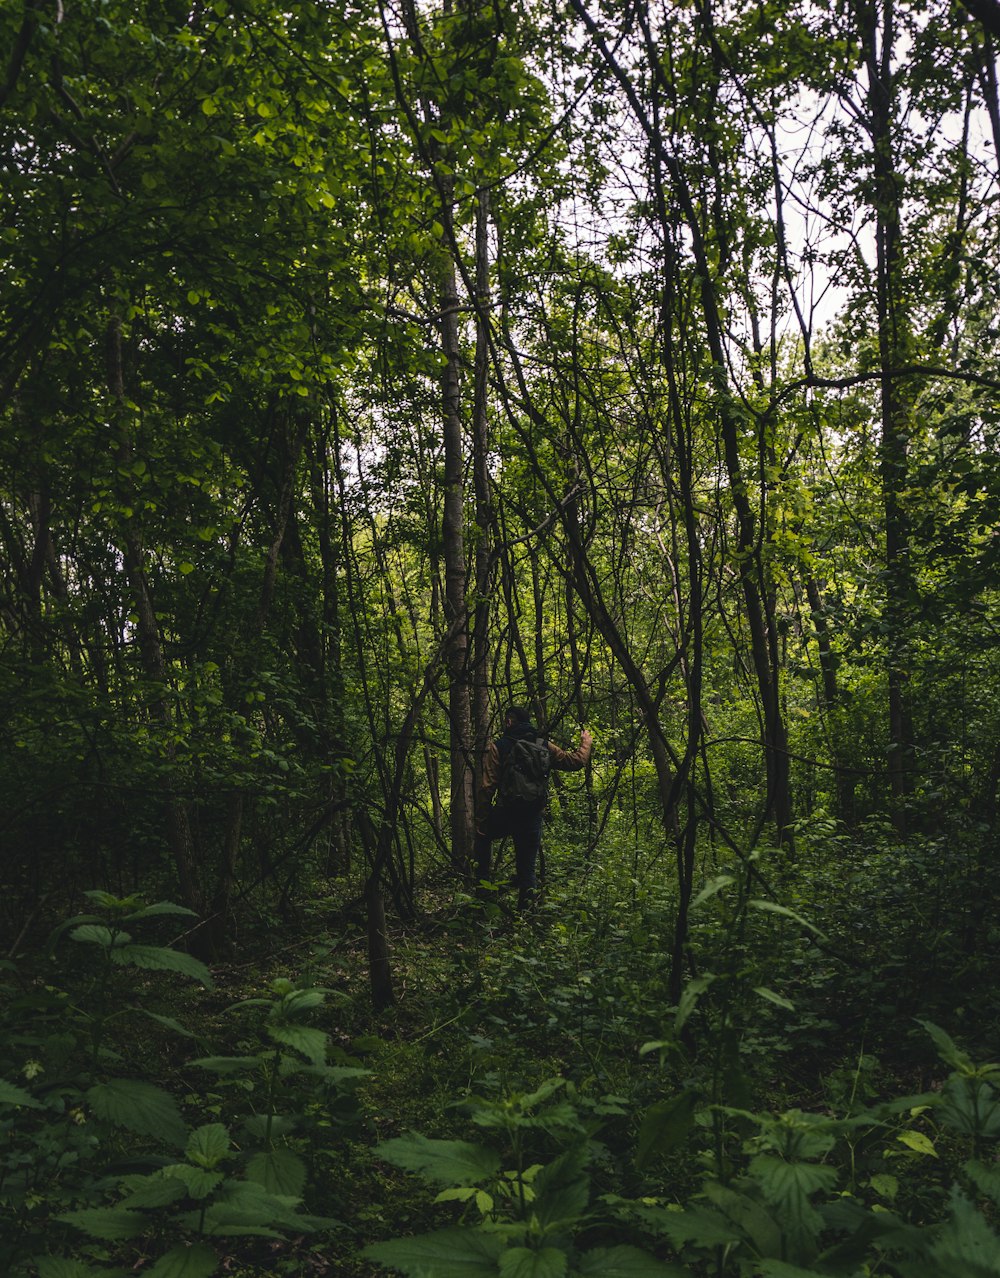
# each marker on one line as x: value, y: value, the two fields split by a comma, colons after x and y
x: 534, y: 1104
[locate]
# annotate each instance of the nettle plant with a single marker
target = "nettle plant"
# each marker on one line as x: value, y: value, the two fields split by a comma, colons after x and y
x: 229, y: 1187
x: 112, y: 1157
x: 294, y: 1090
x: 520, y: 1218
x: 71, y: 1111
x: 808, y: 1196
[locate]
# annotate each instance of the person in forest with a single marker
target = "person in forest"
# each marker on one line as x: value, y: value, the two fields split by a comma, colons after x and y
x: 512, y: 795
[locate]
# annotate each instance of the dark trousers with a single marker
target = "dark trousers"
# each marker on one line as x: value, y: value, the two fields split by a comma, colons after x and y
x: 525, y: 830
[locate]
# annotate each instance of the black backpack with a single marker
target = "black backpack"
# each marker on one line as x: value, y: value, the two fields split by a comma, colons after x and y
x: 524, y: 774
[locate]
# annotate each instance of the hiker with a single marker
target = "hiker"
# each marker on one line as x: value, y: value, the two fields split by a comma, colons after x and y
x: 513, y: 793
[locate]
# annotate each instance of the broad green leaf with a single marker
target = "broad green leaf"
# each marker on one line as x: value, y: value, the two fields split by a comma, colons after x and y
x: 227, y: 1064
x: 695, y: 1224
x: 169, y: 1023
x: 138, y: 1107
x: 183, y: 1261
x: 158, y: 958
x: 447, y: 1253
x: 245, y: 1208
x: 525, y: 1262
x: 664, y: 1126
x: 949, y: 1052
x: 98, y: 934
x: 158, y: 1190
x: 11, y: 1095
x: 562, y: 1189
x: 885, y: 1185
x: 310, y: 1042
x: 279, y: 1170
x: 711, y: 888
x: 110, y: 1224
x: 782, y: 1269
x: 690, y: 995
x: 208, y: 1145
x: 445, y: 1162
x: 970, y: 1106
x: 985, y: 1178
x: 57, y: 1267
x: 965, y: 1248
x: 300, y: 1001
x: 109, y: 902
x: 918, y: 1142
x: 777, y: 999
x: 788, y: 1183
x: 772, y: 907
x: 196, y: 1182
x: 788, y: 1187
x: 158, y: 908
x: 626, y: 1262
x: 748, y: 1215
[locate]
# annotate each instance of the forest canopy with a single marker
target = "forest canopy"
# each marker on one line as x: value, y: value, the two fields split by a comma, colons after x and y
x: 369, y: 368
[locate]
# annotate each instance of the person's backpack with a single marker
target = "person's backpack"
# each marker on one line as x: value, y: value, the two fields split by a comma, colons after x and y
x: 524, y: 774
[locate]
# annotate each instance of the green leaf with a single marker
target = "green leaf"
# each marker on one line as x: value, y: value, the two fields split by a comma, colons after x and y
x: 138, y: 1107
x: 57, y: 1267
x: 965, y: 1248
x: 447, y: 1253
x: 699, y: 1225
x: 11, y: 1095
x: 772, y: 907
x: 985, y: 1178
x: 158, y: 1190
x: 711, y: 888
x: 183, y: 1261
x: 777, y: 999
x: 664, y: 1126
x: 279, y: 1170
x: 300, y: 1001
x: 248, y: 1209
x: 168, y: 1022
x: 195, y: 1182
x: 782, y: 1269
x: 562, y: 1189
x: 918, y: 1142
x: 626, y: 1262
x: 310, y: 1042
x: 98, y: 934
x: 525, y: 1262
x: 885, y: 1185
x: 788, y: 1183
x: 110, y: 1224
x: 227, y: 1064
x: 158, y: 958
x: 690, y: 995
x: 158, y: 908
x: 208, y: 1145
x: 445, y: 1162
x: 949, y: 1052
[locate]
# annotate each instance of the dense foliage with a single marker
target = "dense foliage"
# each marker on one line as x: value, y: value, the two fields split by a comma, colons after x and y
x: 365, y: 369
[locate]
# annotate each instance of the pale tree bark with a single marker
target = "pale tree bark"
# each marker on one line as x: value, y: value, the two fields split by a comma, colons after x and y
x: 484, y: 517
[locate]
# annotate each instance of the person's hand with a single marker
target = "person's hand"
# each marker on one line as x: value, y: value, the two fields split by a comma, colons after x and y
x: 585, y: 738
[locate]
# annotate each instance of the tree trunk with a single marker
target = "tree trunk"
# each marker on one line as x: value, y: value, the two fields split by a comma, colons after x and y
x: 453, y: 544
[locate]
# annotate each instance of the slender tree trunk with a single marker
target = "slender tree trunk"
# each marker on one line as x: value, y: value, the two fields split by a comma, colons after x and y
x: 453, y: 544
x: 481, y: 483
x: 895, y: 406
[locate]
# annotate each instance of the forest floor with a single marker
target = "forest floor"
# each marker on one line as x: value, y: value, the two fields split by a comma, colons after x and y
x: 522, y: 1038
